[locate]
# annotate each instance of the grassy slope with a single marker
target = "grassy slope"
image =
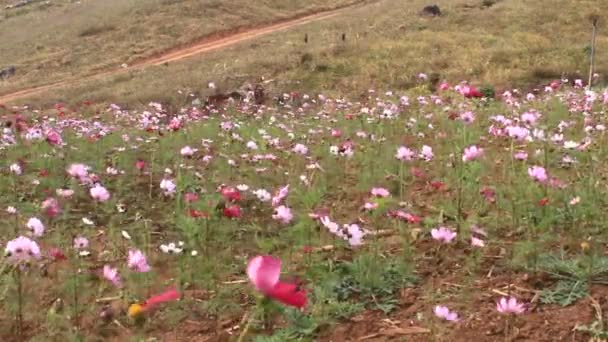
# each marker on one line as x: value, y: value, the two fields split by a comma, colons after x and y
x: 513, y: 42
x: 68, y: 39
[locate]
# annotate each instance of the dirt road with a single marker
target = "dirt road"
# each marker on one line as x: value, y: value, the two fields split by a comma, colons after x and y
x: 207, y: 44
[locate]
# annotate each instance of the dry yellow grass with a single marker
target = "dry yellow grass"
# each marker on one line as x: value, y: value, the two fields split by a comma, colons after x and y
x: 513, y: 42
x: 71, y: 38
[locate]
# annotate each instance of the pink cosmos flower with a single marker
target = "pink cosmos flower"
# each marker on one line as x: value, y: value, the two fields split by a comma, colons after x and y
x: 300, y: 149
x: 475, y: 242
x: 467, y: 117
x: 111, y: 274
x: 518, y: 133
x: 16, y: 169
x: 51, y: 207
x: 187, y: 151
x: 405, y: 154
x: 35, y: 226
x: 443, y: 234
x: 380, y: 192
x: 280, y: 195
x: 520, y: 155
x: 370, y: 205
x: 471, y: 153
x: 65, y: 193
x: 21, y: 249
x: 510, y: 305
x: 354, y: 234
x: 99, y: 193
x: 168, y: 187
x: 137, y: 261
x: 426, y: 153
x: 445, y: 313
x: 400, y: 214
x: 264, y: 272
x: 444, y: 86
x: 283, y: 214
x: 81, y: 242
x: 538, y: 173
x: 529, y: 117
x: 79, y: 171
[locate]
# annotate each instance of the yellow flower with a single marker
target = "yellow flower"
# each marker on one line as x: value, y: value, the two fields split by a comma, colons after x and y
x: 135, y: 310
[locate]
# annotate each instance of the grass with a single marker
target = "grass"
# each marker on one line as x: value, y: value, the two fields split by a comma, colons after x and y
x: 508, y: 43
x: 69, y: 39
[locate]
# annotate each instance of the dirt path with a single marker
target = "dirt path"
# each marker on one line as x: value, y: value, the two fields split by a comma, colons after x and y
x: 207, y: 44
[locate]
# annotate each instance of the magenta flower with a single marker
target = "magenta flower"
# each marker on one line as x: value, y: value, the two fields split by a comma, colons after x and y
x: 280, y: 195
x: 21, y: 249
x: 471, y: 153
x: 264, y: 272
x: 111, y: 274
x: 538, y: 173
x: 35, y: 226
x: 443, y: 234
x: 53, y: 137
x: 99, y: 193
x: 283, y: 214
x: 380, y: 192
x: 510, y: 305
x: 137, y: 261
x: 405, y: 154
x: 81, y: 242
x: 445, y: 313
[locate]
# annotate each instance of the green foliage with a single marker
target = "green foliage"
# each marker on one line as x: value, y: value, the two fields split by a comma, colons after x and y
x: 595, y: 329
x: 373, y: 280
x: 565, y: 293
x: 584, y: 268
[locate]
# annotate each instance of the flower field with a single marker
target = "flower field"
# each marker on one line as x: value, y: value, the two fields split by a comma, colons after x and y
x: 452, y: 215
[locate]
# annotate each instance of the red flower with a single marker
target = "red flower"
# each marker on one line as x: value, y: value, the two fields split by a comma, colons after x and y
x: 197, y: 213
x: 231, y: 194
x: 56, y: 254
x: 190, y: 197
x: 233, y: 211
x: 43, y: 173
x: 543, y: 202
x: 418, y: 173
x: 437, y: 185
x: 140, y: 164
x: 289, y: 294
x: 489, y: 194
